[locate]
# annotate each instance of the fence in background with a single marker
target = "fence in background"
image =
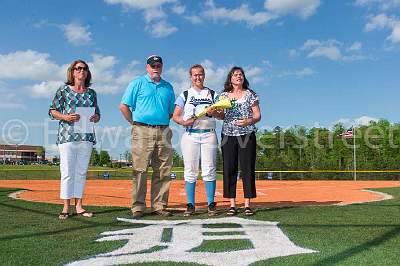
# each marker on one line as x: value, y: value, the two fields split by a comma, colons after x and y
x: 37, y: 174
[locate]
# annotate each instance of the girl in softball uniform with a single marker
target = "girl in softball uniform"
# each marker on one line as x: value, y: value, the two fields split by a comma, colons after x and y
x: 199, y: 142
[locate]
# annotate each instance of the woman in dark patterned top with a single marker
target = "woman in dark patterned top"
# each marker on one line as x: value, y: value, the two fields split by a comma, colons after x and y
x: 75, y: 145
x: 238, y: 138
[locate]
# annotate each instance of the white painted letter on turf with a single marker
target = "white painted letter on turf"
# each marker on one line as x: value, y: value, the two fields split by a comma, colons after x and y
x: 147, y: 244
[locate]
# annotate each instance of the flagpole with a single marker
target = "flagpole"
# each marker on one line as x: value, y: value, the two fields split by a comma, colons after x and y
x: 354, y: 154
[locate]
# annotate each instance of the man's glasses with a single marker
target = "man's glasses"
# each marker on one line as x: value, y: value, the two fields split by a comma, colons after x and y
x: 79, y: 68
x: 156, y: 66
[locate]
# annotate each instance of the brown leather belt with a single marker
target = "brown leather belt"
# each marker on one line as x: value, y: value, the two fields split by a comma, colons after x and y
x: 147, y: 125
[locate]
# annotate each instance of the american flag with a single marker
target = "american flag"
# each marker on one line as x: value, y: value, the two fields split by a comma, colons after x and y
x: 348, y: 133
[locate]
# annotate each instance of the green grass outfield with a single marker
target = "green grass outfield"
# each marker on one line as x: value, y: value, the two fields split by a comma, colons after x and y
x: 359, y: 234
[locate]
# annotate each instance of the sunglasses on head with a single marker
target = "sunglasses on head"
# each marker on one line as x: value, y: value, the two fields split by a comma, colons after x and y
x: 79, y: 68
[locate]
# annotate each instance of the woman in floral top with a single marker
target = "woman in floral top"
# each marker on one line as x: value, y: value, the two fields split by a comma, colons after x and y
x: 75, y: 147
x: 239, y: 139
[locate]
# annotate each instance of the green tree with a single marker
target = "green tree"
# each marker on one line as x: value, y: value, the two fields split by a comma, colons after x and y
x: 40, y: 152
x: 94, y: 158
x: 56, y: 159
x: 104, y: 158
x: 219, y: 159
x: 128, y: 156
x: 177, y: 159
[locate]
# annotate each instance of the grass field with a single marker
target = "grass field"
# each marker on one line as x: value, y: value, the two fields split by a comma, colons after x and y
x: 360, y: 234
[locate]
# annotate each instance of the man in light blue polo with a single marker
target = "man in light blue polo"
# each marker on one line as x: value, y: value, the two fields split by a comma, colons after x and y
x: 148, y: 104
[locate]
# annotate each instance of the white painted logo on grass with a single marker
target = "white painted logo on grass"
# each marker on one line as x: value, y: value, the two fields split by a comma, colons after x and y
x: 181, y: 241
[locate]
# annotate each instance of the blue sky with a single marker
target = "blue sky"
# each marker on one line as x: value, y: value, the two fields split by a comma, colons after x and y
x: 313, y: 62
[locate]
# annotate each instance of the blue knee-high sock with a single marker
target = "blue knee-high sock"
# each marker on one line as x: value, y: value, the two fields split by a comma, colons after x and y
x: 190, y: 191
x: 210, y: 190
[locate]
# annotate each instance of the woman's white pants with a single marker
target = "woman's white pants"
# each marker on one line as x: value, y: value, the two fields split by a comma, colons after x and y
x: 74, y: 162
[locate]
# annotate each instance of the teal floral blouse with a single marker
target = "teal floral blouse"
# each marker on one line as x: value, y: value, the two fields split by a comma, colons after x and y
x: 65, y: 101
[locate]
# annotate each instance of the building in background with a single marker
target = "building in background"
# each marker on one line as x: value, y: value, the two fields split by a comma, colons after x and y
x: 15, y: 153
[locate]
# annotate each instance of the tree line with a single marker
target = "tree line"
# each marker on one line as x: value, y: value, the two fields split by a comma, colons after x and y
x: 318, y: 148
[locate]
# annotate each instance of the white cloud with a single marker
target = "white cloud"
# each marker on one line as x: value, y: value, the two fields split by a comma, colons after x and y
x: 293, y: 53
x: 380, y: 4
x: 179, y: 78
x: 297, y: 73
x: 28, y: 65
x: 102, y: 68
x: 361, y: 121
x: 44, y: 89
x: 380, y: 21
x: 9, y: 99
x: 140, y: 4
x: 161, y: 29
x: 178, y: 9
x: 330, y: 52
x: 254, y: 74
x: 77, y: 34
x: 267, y: 63
x: 215, y: 76
x: 194, y: 19
x: 395, y: 35
x: 356, y: 46
x: 316, y: 43
x: 105, y: 80
x: 367, y: 2
x: 383, y: 20
x: 32, y: 65
x: 154, y: 14
x: 130, y: 72
x: 156, y: 23
x: 240, y: 14
x: 301, y: 8
x: 330, y: 49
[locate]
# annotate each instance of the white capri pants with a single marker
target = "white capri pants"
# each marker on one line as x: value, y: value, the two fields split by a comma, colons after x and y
x: 196, y: 146
x: 74, y: 163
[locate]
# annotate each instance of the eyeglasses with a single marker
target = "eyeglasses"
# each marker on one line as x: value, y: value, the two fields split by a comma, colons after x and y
x: 156, y: 66
x: 79, y: 68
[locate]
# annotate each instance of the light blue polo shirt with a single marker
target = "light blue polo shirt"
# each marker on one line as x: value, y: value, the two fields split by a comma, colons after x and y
x: 150, y: 103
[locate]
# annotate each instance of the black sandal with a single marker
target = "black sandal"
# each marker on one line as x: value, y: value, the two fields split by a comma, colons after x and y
x: 63, y: 215
x: 232, y: 211
x: 248, y: 211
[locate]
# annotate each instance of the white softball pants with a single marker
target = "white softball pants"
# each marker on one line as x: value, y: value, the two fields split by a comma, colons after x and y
x: 74, y: 162
x: 197, y: 147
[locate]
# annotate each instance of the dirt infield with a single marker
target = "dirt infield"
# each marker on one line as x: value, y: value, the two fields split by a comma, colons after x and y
x: 269, y: 193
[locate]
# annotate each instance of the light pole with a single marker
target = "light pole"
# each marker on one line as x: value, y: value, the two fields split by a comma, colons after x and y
x: 4, y: 153
x: 16, y: 153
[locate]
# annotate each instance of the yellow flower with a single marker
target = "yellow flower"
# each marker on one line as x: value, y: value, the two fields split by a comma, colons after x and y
x: 223, y: 103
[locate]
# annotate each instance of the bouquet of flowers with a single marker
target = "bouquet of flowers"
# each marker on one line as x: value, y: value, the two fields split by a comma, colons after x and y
x: 222, y: 103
